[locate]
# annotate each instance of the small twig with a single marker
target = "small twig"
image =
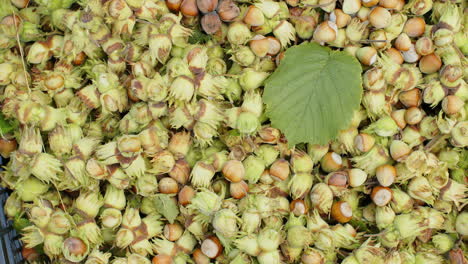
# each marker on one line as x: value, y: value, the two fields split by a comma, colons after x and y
x: 460, y: 208
x: 434, y: 142
x: 376, y: 235
x: 21, y: 52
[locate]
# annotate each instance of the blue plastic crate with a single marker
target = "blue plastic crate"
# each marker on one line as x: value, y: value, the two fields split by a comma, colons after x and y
x: 10, y: 252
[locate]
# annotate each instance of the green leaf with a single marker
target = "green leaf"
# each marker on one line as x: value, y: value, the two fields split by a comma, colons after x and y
x: 5, y: 126
x: 167, y: 207
x: 134, y: 201
x: 19, y: 223
x: 463, y: 163
x: 313, y: 93
x: 198, y: 37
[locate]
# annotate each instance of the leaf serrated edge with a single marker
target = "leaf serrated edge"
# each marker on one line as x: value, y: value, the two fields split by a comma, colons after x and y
x: 357, y: 66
